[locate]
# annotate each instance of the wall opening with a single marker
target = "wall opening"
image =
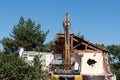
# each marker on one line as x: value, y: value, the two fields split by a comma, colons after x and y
x: 91, y: 62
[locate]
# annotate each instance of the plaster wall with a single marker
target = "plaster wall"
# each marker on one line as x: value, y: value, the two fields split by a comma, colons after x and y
x: 49, y: 57
x: 95, y: 68
x: 29, y: 56
x: 57, y: 56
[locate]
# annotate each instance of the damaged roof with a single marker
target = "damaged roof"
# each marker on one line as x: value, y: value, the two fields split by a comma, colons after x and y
x: 77, y: 44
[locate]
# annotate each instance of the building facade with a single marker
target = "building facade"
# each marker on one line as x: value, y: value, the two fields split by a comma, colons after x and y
x: 28, y: 56
x: 88, y: 58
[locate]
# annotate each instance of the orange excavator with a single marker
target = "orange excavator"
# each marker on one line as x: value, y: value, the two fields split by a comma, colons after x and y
x: 66, y: 73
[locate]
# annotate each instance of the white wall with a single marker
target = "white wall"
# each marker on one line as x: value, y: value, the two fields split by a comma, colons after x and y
x: 95, y: 69
x: 57, y: 56
x: 29, y: 56
x: 49, y: 58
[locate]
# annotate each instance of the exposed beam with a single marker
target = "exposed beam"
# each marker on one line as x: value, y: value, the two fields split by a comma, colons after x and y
x: 76, y: 40
x: 76, y: 46
x: 89, y: 46
x: 87, y: 51
x: 71, y: 42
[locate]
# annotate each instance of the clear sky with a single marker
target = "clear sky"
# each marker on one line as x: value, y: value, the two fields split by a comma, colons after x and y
x: 97, y: 20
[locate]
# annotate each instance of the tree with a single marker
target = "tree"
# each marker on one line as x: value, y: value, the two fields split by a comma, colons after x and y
x: 14, y: 68
x: 8, y: 45
x: 25, y: 34
x: 49, y: 46
x: 115, y: 59
x: 39, y: 71
x: 115, y: 51
x: 101, y: 45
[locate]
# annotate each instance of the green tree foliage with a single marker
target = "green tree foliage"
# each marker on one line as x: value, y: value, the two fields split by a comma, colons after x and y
x: 49, y: 46
x: 25, y: 34
x: 39, y: 69
x: 115, y: 59
x: 101, y: 45
x: 13, y: 68
x: 117, y: 73
x: 115, y: 51
x: 8, y: 43
x: 0, y: 52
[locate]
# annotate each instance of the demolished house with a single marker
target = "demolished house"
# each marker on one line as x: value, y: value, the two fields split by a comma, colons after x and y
x: 88, y: 58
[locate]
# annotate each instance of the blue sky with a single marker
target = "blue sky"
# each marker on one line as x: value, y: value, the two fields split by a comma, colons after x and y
x: 97, y: 20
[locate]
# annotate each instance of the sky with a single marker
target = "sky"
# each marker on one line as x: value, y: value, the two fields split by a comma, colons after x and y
x: 97, y: 20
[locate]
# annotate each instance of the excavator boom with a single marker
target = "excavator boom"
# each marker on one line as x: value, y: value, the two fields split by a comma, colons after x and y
x: 66, y: 73
x: 66, y: 25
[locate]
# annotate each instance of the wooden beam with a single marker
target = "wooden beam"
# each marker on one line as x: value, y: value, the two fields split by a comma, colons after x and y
x: 87, y: 51
x: 71, y: 42
x: 76, y: 40
x: 76, y: 46
x: 86, y: 46
x: 89, y: 46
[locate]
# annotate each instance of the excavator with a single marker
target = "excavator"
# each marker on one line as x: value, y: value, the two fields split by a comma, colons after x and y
x: 66, y: 73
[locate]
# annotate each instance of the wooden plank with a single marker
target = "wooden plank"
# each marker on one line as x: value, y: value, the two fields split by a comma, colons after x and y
x: 87, y: 51
x: 89, y: 46
x: 76, y: 46
x: 71, y: 42
x: 76, y: 40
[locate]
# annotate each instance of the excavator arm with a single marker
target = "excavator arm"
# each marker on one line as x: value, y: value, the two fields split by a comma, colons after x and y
x: 66, y: 25
x: 66, y: 73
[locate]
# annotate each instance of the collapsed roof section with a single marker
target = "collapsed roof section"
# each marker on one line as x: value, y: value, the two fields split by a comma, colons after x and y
x: 77, y: 44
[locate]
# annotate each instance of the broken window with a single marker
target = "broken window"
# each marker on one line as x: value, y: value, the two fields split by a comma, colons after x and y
x: 91, y: 62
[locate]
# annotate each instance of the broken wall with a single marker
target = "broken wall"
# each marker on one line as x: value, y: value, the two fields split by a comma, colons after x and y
x: 92, y: 64
x: 57, y: 56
